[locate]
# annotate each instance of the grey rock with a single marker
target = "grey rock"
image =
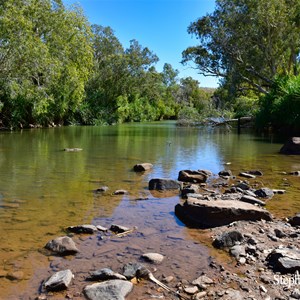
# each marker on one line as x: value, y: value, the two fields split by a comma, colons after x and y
x: 120, y: 192
x: 228, y: 239
x: 162, y: 184
x: 62, y: 245
x: 225, y: 173
x: 130, y: 269
x: 191, y: 290
x: 198, y: 176
x: 59, y: 281
x: 83, y: 229
x: 72, y: 149
x: 142, y: 167
x: 291, y: 147
x: 206, y: 214
x: 202, y: 280
x: 105, y: 274
x: 191, y: 189
x: 101, y: 228
x: 102, y: 189
x: 295, y: 221
x: 279, y: 192
x: 153, y: 257
x: 284, y: 260
x: 264, y: 193
x: 252, y: 200
x: 118, y: 228
x: 112, y: 290
x: 255, y: 172
x: 247, y: 175
x: 279, y: 233
x: 238, y: 251
x: 242, y: 185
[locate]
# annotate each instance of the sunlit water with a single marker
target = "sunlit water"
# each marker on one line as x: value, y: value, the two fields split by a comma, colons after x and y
x: 44, y: 189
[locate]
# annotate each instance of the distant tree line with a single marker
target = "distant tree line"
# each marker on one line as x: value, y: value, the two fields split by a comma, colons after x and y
x: 254, y: 47
x: 55, y: 68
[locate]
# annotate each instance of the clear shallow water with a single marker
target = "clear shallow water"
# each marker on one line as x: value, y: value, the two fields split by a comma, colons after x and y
x: 44, y: 189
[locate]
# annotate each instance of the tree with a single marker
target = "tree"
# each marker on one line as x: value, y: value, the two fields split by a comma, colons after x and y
x: 247, y: 42
x: 46, y: 58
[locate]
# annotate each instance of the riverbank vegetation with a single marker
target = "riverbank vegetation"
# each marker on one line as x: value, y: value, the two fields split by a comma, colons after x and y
x: 56, y: 68
x: 253, y: 46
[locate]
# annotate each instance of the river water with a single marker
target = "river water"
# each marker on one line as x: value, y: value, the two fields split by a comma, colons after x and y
x: 45, y: 189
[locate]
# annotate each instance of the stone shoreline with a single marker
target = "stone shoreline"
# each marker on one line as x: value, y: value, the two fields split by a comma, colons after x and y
x: 262, y: 254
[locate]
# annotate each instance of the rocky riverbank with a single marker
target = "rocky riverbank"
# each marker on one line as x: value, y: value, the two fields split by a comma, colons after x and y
x: 255, y: 256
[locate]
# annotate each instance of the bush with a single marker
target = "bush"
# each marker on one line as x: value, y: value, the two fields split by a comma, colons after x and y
x: 280, y: 109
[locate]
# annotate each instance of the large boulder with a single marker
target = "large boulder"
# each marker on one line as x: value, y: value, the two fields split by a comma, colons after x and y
x: 164, y: 184
x: 112, y: 290
x: 291, y: 147
x: 206, y: 214
x: 199, y: 176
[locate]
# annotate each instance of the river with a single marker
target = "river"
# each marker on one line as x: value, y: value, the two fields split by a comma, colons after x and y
x: 44, y: 189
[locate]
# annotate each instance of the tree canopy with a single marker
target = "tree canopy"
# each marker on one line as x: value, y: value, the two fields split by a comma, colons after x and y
x: 247, y: 42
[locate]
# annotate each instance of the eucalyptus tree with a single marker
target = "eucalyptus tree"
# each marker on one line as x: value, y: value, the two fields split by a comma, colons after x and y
x: 247, y: 42
x: 46, y: 58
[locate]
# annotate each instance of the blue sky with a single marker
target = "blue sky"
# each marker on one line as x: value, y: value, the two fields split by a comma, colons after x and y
x: 160, y: 25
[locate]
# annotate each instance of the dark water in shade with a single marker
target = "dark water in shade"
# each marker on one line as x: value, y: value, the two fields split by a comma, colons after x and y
x: 44, y: 189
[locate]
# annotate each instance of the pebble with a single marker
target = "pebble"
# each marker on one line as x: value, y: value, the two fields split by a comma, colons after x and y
x: 191, y: 290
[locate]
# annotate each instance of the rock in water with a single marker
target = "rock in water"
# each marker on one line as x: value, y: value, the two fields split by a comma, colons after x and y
x: 108, y: 290
x: 62, y: 245
x: 130, y: 269
x: 206, y: 214
x: 142, y: 167
x: 193, y: 176
x: 153, y: 257
x: 90, y: 229
x: 163, y: 184
x: 59, y: 281
x: 106, y: 274
x: 291, y: 147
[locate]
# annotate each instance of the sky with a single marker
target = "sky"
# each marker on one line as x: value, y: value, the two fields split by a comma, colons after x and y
x: 160, y: 25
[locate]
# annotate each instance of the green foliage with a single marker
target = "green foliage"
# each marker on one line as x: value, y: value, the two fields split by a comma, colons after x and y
x: 46, y: 58
x: 247, y: 43
x: 245, y: 106
x: 280, y: 109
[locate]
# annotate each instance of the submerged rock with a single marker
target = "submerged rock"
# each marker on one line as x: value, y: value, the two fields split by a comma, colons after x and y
x: 153, y: 257
x: 105, y: 274
x: 59, y: 281
x: 112, y: 290
x: 142, y: 167
x: 207, y: 214
x: 163, y: 184
x: 62, y: 245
